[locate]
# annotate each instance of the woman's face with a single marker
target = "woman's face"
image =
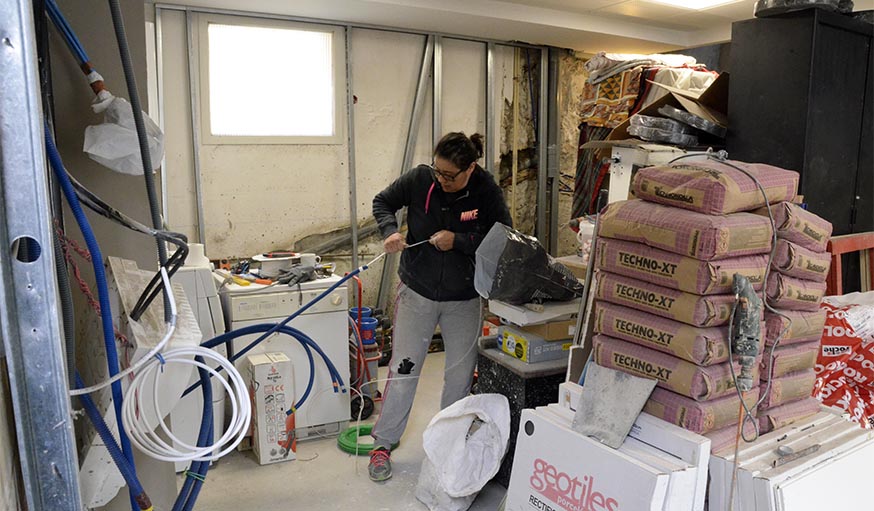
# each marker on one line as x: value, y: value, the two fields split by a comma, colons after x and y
x: 451, y: 178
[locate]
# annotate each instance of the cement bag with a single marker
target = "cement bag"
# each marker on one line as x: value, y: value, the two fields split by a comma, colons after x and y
x: 114, y: 143
x: 713, y: 187
x: 514, y: 268
x: 688, y: 233
x: 800, y: 226
x: 464, y: 445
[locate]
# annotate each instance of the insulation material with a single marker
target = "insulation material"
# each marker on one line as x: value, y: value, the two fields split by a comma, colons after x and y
x: 788, y: 414
x: 794, y: 294
x: 714, y: 187
x: 697, y: 416
x: 796, y: 261
x: 789, y: 359
x: 837, y: 391
x: 845, y: 366
x: 804, y: 326
x: 686, y: 233
x: 788, y: 388
x: 672, y: 373
x: 799, y: 226
x: 678, y: 272
x: 724, y: 439
x: 668, y: 303
x: 701, y: 346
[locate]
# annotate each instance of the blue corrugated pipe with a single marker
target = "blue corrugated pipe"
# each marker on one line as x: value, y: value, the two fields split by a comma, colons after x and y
x: 102, y: 289
x: 124, y: 466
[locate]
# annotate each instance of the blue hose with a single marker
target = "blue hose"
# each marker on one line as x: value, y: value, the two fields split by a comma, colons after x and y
x: 102, y: 289
x: 305, y: 341
x: 66, y: 31
x: 124, y: 466
x: 300, y: 311
x: 198, y: 469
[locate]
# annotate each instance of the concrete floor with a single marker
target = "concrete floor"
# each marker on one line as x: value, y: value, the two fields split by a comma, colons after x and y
x: 324, y: 477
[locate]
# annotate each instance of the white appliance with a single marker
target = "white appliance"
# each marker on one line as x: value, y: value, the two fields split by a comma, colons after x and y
x: 832, y: 469
x: 325, y: 412
x: 200, y: 289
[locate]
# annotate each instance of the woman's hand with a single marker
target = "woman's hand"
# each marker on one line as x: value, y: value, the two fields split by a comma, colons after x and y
x: 394, y: 243
x: 443, y: 240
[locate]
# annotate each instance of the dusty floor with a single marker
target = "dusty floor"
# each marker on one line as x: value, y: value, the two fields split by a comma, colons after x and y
x: 323, y: 477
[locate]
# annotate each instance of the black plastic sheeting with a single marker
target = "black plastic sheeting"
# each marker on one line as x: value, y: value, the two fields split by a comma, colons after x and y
x: 514, y: 268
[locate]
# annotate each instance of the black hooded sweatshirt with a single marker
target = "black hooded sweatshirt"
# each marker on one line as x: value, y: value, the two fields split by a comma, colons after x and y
x: 469, y: 213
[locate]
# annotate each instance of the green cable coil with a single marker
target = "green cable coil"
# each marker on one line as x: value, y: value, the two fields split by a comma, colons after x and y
x: 349, y: 438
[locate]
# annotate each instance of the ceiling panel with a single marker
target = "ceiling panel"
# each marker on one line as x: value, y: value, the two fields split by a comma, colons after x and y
x: 737, y: 11
x: 645, y: 10
x: 669, y: 23
x: 576, y: 6
x: 700, y: 20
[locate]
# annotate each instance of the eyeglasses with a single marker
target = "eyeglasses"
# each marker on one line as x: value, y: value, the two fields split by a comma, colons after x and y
x: 446, y: 176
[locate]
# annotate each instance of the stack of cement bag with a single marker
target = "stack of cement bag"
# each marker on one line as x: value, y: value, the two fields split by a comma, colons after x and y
x: 795, y: 288
x: 664, y: 294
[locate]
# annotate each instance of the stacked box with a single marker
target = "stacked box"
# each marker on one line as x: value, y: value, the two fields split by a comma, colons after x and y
x: 664, y: 291
x: 795, y: 287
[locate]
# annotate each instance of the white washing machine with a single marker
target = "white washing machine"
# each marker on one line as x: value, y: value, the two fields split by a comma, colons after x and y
x: 325, y: 412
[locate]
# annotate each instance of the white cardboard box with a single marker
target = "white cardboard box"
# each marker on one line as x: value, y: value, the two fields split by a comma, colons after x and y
x: 684, y: 477
x: 559, y: 469
x: 522, y: 316
x: 690, y: 447
x: 836, y: 476
x: 271, y: 385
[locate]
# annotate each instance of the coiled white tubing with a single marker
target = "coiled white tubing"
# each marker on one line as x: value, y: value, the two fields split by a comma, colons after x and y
x: 145, y: 436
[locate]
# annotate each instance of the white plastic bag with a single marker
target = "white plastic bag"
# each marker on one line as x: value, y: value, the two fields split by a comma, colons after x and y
x: 464, y: 445
x: 114, y: 143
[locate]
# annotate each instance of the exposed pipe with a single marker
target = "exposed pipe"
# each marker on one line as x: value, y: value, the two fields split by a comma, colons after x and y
x: 542, y: 155
x: 134, y: 97
x: 549, y: 76
x: 515, y: 134
x: 350, y: 141
x: 391, y: 260
x: 492, y: 123
x: 194, y: 94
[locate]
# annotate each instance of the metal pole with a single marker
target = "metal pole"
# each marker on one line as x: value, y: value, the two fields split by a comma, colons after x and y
x: 391, y: 261
x: 554, y: 143
x: 350, y: 137
x: 159, y: 65
x: 437, y: 90
x: 492, y: 122
x: 542, y: 156
x: 194, y: 92
x: 29, y: 324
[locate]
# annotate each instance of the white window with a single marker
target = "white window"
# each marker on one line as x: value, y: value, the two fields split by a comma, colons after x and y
x: 270, y: 82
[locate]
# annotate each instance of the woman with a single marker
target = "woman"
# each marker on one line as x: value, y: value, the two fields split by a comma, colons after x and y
x: 452, y: 204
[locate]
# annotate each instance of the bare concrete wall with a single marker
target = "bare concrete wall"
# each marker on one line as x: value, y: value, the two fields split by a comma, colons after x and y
x: 260, y: 198
x: 572, y: 78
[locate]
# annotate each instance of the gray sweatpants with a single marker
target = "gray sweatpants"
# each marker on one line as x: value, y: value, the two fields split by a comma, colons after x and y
x: 416, y: 318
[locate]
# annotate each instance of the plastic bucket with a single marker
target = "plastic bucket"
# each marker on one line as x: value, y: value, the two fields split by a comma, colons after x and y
x: 365, y: 312
x: 368, y: 330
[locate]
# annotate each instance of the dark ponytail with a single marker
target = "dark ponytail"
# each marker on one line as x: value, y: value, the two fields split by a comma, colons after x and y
x: 459, y: 149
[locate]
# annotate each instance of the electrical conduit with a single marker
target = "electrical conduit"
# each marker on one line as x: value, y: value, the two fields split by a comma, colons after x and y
x: 102, y: 293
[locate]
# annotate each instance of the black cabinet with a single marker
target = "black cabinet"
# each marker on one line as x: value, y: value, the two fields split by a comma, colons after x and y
x: 800, y: 98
